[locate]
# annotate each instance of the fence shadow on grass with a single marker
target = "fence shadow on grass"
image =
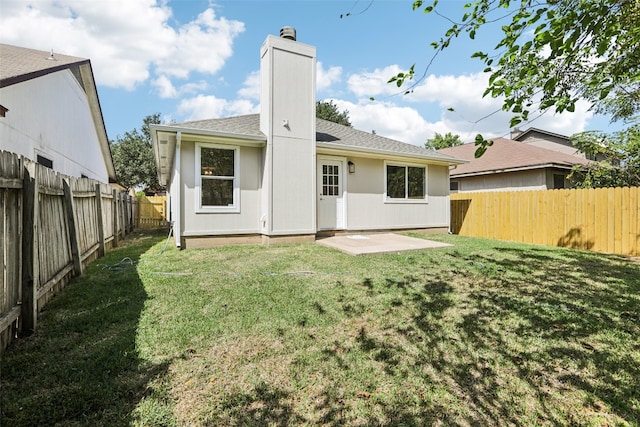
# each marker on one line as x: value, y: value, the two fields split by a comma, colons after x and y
x: 82, y: 366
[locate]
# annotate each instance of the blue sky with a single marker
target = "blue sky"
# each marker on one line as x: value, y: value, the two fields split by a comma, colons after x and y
x: 193, y: 59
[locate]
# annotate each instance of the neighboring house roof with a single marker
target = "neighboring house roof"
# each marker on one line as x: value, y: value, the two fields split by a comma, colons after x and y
x: 20, y: 64
x: 506, y: 155
x: 525, y: 134
x: 329, y: 136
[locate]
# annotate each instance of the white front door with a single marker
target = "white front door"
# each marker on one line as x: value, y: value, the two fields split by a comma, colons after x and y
x: 330, y: 194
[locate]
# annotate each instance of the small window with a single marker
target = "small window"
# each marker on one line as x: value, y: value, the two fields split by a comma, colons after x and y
x: 44, y: 161
x: 217, y: 178
x: 453, y: 186
x: 405, y: 182
x: 558, y: 181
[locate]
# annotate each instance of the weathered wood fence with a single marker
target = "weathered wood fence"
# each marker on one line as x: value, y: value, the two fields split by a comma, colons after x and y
x: 601, y: 219
x: 52, y: 226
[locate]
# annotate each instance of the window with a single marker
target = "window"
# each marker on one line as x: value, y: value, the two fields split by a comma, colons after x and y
x: 217, y: 178
x: 454, y: 186
x: 558, y: 180
x: 406, y: 182
x: 44, y: 161
x: 330, y: 180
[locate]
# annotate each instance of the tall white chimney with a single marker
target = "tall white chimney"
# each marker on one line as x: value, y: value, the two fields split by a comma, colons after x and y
x: 287, y: 117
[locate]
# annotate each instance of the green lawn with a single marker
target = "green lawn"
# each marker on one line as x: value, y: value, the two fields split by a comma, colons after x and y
x: 481, y: 333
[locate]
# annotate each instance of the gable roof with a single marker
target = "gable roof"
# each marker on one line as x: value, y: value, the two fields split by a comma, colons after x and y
x: 330, y: 136
x: 20, y: 64
x: 524, y: 134
x: 506, y: 155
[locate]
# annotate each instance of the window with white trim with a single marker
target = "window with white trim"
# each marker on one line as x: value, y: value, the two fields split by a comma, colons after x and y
x: 217, y: 178
x: 405, y: 182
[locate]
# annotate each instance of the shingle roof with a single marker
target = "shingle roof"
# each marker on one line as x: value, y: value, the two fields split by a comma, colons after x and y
x: 327, y: 133
x: 20, y: 64
x: 506, y: 154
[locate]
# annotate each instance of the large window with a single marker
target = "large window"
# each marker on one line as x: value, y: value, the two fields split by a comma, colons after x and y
x: 405, y: 182
x: 217, y: 178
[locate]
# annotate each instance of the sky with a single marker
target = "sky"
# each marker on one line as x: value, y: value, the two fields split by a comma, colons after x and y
x: 198, y: 59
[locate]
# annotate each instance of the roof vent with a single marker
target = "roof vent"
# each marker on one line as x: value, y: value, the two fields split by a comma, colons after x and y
x: 288, y: 33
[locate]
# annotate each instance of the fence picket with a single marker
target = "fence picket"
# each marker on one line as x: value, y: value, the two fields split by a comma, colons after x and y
x: 602, y: 219
x: 36, y: 216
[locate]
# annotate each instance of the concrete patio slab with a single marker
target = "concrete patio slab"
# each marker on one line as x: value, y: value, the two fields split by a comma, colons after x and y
x: 359, y: 244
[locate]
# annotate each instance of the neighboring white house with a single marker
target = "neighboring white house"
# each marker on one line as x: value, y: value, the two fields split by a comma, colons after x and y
x: 283, y: 175
x: 50, y: 113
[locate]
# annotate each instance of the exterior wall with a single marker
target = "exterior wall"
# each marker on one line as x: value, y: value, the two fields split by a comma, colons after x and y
x: 246, y: 221
x: 367, y: 209
x: 287, y: 117
x: 50, y: 116
x: 509, y: 181
x: 553, y: 143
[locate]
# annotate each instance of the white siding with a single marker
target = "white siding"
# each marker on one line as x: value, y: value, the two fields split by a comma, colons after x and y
x: 50, y: 116
x: 509, y: 181
x: 367, y: 209
x: 207, y: 224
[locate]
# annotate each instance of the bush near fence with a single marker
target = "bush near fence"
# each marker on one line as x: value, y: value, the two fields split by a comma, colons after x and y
x: 601, y: 219
x: 52, y: 227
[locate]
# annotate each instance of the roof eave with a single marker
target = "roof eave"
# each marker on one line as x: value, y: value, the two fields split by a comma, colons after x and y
x: 515, y: 169
x: 8, y: 81
x: 259, y: 139
x: 328, y: 147
x: 96, y: 112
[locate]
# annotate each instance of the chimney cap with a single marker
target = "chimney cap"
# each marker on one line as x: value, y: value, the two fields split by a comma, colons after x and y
x: 288, y: 33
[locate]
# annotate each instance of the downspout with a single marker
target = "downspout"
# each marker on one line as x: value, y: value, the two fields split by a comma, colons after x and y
x: 177, y: 196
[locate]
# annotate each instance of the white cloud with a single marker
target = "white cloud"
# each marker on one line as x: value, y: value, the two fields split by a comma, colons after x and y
x: 326, y: 78
x: 472, y: 113
x: 251, y: 86
x: 202, y: 45
x: 166, y: 89
x: 389, y: 120
x: 123, y: 39
x: 203, y: 107
x: 368, y: 84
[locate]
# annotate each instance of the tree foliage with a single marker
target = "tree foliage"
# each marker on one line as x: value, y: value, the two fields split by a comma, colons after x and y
x: 552, y: 54
x: 621, y: 153
x: 133, y: 157
x: 329, y: 111
x: 443, y: 141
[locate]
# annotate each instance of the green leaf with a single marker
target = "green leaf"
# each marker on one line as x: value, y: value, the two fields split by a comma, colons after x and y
x: 515, y: 121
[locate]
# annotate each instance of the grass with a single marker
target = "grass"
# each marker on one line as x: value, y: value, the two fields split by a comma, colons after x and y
x: 482, y: 333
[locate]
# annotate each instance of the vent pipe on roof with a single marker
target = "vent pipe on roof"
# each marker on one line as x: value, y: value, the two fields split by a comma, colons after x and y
x: 288, y: 33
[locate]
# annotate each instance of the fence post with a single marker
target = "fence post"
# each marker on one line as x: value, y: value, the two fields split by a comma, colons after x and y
x: 123, y: 214
x: 114, y: 214
x: 101, y: 249
x: 30, y: 261
x: 73, y: 227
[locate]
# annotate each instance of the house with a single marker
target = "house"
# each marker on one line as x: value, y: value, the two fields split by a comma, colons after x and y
x: 283, y: 175
x: 51, y: 113
x: 551, y: 141
x: 511, y: 165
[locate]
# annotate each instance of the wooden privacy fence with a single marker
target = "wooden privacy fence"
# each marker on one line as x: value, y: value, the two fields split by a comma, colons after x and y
x: 601, y: 219
x: 151, y: 211
x: 52, y: 227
